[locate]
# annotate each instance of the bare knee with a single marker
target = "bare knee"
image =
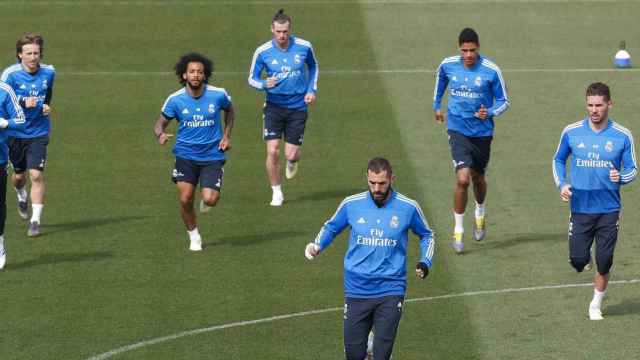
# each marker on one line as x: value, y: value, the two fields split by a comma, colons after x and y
x: 36, y: 176
x: 211, y: 199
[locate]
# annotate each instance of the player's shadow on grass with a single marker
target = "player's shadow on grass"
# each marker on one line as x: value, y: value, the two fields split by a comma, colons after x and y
x: 87, y: 223
x: 57, y: 258
x: 520, y: 239
x: 252, y: 239
x: 327, y: 194
x: 628, y: 306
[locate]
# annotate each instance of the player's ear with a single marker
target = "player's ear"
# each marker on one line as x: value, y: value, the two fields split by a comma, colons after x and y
x: 184, y: 76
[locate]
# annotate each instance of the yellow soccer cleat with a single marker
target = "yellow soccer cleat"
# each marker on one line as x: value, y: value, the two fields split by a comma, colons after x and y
x: 291, y: 169
x: 479, y: 229
x: 456, y: 242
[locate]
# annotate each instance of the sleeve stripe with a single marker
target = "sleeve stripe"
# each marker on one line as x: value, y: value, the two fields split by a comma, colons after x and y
x: 262, y: 48
x: 495, y: 68
x: 626, y: 131
x: 16, y: 104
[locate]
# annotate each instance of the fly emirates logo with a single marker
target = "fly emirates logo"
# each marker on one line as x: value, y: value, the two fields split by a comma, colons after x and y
x: 375, y: 238
x: 593, y: 161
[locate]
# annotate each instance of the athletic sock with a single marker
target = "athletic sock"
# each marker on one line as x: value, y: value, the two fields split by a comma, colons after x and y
x: 596, y: 302
x: 194, y: 234
x: 1, y: 240
x: 37, y: 212
x: 22, y: 194
x: 459, y: 218
x: 276, y: 189
x: 479, y: 210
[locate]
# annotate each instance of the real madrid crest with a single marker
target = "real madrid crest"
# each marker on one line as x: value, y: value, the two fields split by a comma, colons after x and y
x: 212, y: 108
x: 608, y: 146
x: 478, y: 81
x: 394, y: 222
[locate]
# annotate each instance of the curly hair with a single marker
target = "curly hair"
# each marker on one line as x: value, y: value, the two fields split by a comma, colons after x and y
x: 181, y: 66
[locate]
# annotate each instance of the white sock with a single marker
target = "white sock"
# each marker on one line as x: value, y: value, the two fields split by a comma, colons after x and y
x: 37, y: 212
x: 459, y: 218
x: 479, y: 210
x: 194, y: 235
x: 276, y: 189
x: 1, y: 240
x: 22, y: 194
x: 596, y: 302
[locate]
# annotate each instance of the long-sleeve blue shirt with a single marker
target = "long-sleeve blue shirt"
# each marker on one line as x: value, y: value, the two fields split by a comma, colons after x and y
x: 375, y: 264
x: 11, y: 111
x: 593, y: 154
x: 295, y: 68
x: 481, y: 84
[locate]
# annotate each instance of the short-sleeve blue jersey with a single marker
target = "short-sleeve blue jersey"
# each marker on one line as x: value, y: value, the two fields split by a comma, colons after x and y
x: 26, y: 84
x: 295, y: 68
x: 481, y: 84
x: 593, y: 154
x: 199, y: 125
x: 375, y: 264
x: 11, y: 111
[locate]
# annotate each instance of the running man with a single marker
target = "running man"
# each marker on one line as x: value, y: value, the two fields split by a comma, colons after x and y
x: 603, y: 158
x: 201, y: 141
x: 477, y: 94
x: 291, y: 84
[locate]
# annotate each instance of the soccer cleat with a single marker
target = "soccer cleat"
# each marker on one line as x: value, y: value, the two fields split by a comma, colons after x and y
x: 277, y: 199
x: 589, y: 265
x: 456, y: 242
x: 3, y: 257
x: 23, y: 209
x: 370, y: 346
x: 34, y: 229
x: 595, y: 314
x: 479, y: 229
x: 196, y: 244
x: 291, y: 169
x: 204, y: 208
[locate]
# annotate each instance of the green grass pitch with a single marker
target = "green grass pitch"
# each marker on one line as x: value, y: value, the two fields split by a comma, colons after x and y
x: 112, y: 267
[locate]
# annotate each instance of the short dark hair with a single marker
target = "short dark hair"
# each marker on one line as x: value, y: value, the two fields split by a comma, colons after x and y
x: 280, y: 17
x: 468, y: 35
x: 29, y: 38
x: 181, y: 65
x: 378, y: 165
x: 599, y: 89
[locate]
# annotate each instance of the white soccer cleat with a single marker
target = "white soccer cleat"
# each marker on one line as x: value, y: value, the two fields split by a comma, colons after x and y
x: 196, y: 244
x: 370, y: 346
x: 595, y: 314
x: 3, y: 257
x: 310, y: 250
x: 204, y: 208
x: 291, y: 169
x: 277, y: 199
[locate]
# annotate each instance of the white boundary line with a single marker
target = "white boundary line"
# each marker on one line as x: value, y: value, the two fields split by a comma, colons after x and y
x: 162, y: 339
x: 344, y: 72
x: 294, y: 2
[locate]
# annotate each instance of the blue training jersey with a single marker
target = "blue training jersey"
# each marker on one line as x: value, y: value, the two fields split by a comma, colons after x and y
x: 11, y: 111
x: 199, y: 125
x: 593, y: 154
x: 295, y: 68
x: 375, y: 264
x: 25, y: 84
x: 482, y: 84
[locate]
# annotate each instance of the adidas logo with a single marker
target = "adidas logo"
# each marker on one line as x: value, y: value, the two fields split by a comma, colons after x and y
x: 361, y: 221
x: 23, y: 86
x: 274, y: 62
x: 185, y: 111
x: 581, y: 146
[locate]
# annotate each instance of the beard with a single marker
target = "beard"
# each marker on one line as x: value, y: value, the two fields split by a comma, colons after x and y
x: 195, y: 87
x: 379, y: 198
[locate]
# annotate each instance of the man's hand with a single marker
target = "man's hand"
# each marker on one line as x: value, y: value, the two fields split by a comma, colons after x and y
x: 422, y: 270
x: 482, y: 113
x: 614, y: 175
x: 439, y: 117
x: 3, y: 123
x: 312, y: 250
x: 225, y: 143
x: 46, y: 109
x: 30, y: 102
x: 163, y: 138
x: 271, y: 82
x: 310, y: 98
x: 565, y: 193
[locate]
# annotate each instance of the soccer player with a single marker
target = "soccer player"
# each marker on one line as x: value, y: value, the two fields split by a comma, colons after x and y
x: 32, y: 82
x: 477, y: 93
x: 291, y: 84
x: 11, y: 118
x: 602, y: 159
x: 375, y: 264
x: 201, y: 141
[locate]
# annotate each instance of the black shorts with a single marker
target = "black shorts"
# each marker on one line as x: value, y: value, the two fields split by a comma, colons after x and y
x: 279, y: 120
x: 208, y: 173
x: 28, y: 153
x: 585, y: 228
x: 470, y: 152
